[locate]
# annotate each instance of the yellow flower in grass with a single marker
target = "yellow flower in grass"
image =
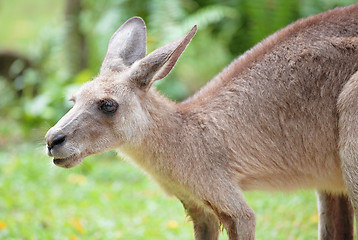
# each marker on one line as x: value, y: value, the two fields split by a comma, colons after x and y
x: 314, y: 218
x: 77, y: 179
x: 73, y: 237
x: 77, y: 224
x: 172, y: 224
x: 2, y: 225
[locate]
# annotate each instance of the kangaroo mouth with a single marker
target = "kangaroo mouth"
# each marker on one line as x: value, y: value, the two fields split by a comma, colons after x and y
x: 68, y: 162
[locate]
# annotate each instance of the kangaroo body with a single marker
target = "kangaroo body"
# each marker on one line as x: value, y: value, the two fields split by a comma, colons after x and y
x: 283, y: 116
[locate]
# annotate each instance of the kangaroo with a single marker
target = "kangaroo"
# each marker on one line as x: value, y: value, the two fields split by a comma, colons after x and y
x: 282, y: 116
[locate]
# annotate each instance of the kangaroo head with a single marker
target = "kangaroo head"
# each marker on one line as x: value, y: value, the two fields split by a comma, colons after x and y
x: 111, y: 109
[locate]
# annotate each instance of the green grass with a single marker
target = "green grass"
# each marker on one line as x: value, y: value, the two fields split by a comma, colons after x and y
x: 107, y: 198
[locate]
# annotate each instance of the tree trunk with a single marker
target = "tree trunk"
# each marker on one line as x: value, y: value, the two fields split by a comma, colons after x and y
x: 76, y: 47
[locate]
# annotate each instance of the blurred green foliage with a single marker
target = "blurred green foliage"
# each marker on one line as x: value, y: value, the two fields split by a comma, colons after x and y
x: 226, y: 29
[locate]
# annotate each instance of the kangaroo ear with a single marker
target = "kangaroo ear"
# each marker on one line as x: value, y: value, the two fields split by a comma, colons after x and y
x: 127, y: 45
x: 160, y: 62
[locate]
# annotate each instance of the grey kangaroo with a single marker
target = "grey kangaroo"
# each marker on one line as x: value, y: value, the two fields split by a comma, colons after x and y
x: 282, y: 116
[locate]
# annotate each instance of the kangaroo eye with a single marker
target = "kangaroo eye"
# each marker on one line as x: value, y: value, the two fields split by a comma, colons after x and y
x: 108, y: 106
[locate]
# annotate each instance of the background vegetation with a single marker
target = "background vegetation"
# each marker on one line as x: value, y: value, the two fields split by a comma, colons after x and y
x: 49, y: 48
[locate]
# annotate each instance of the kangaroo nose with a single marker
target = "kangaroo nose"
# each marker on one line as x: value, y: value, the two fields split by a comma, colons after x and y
x: 57, y: 140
